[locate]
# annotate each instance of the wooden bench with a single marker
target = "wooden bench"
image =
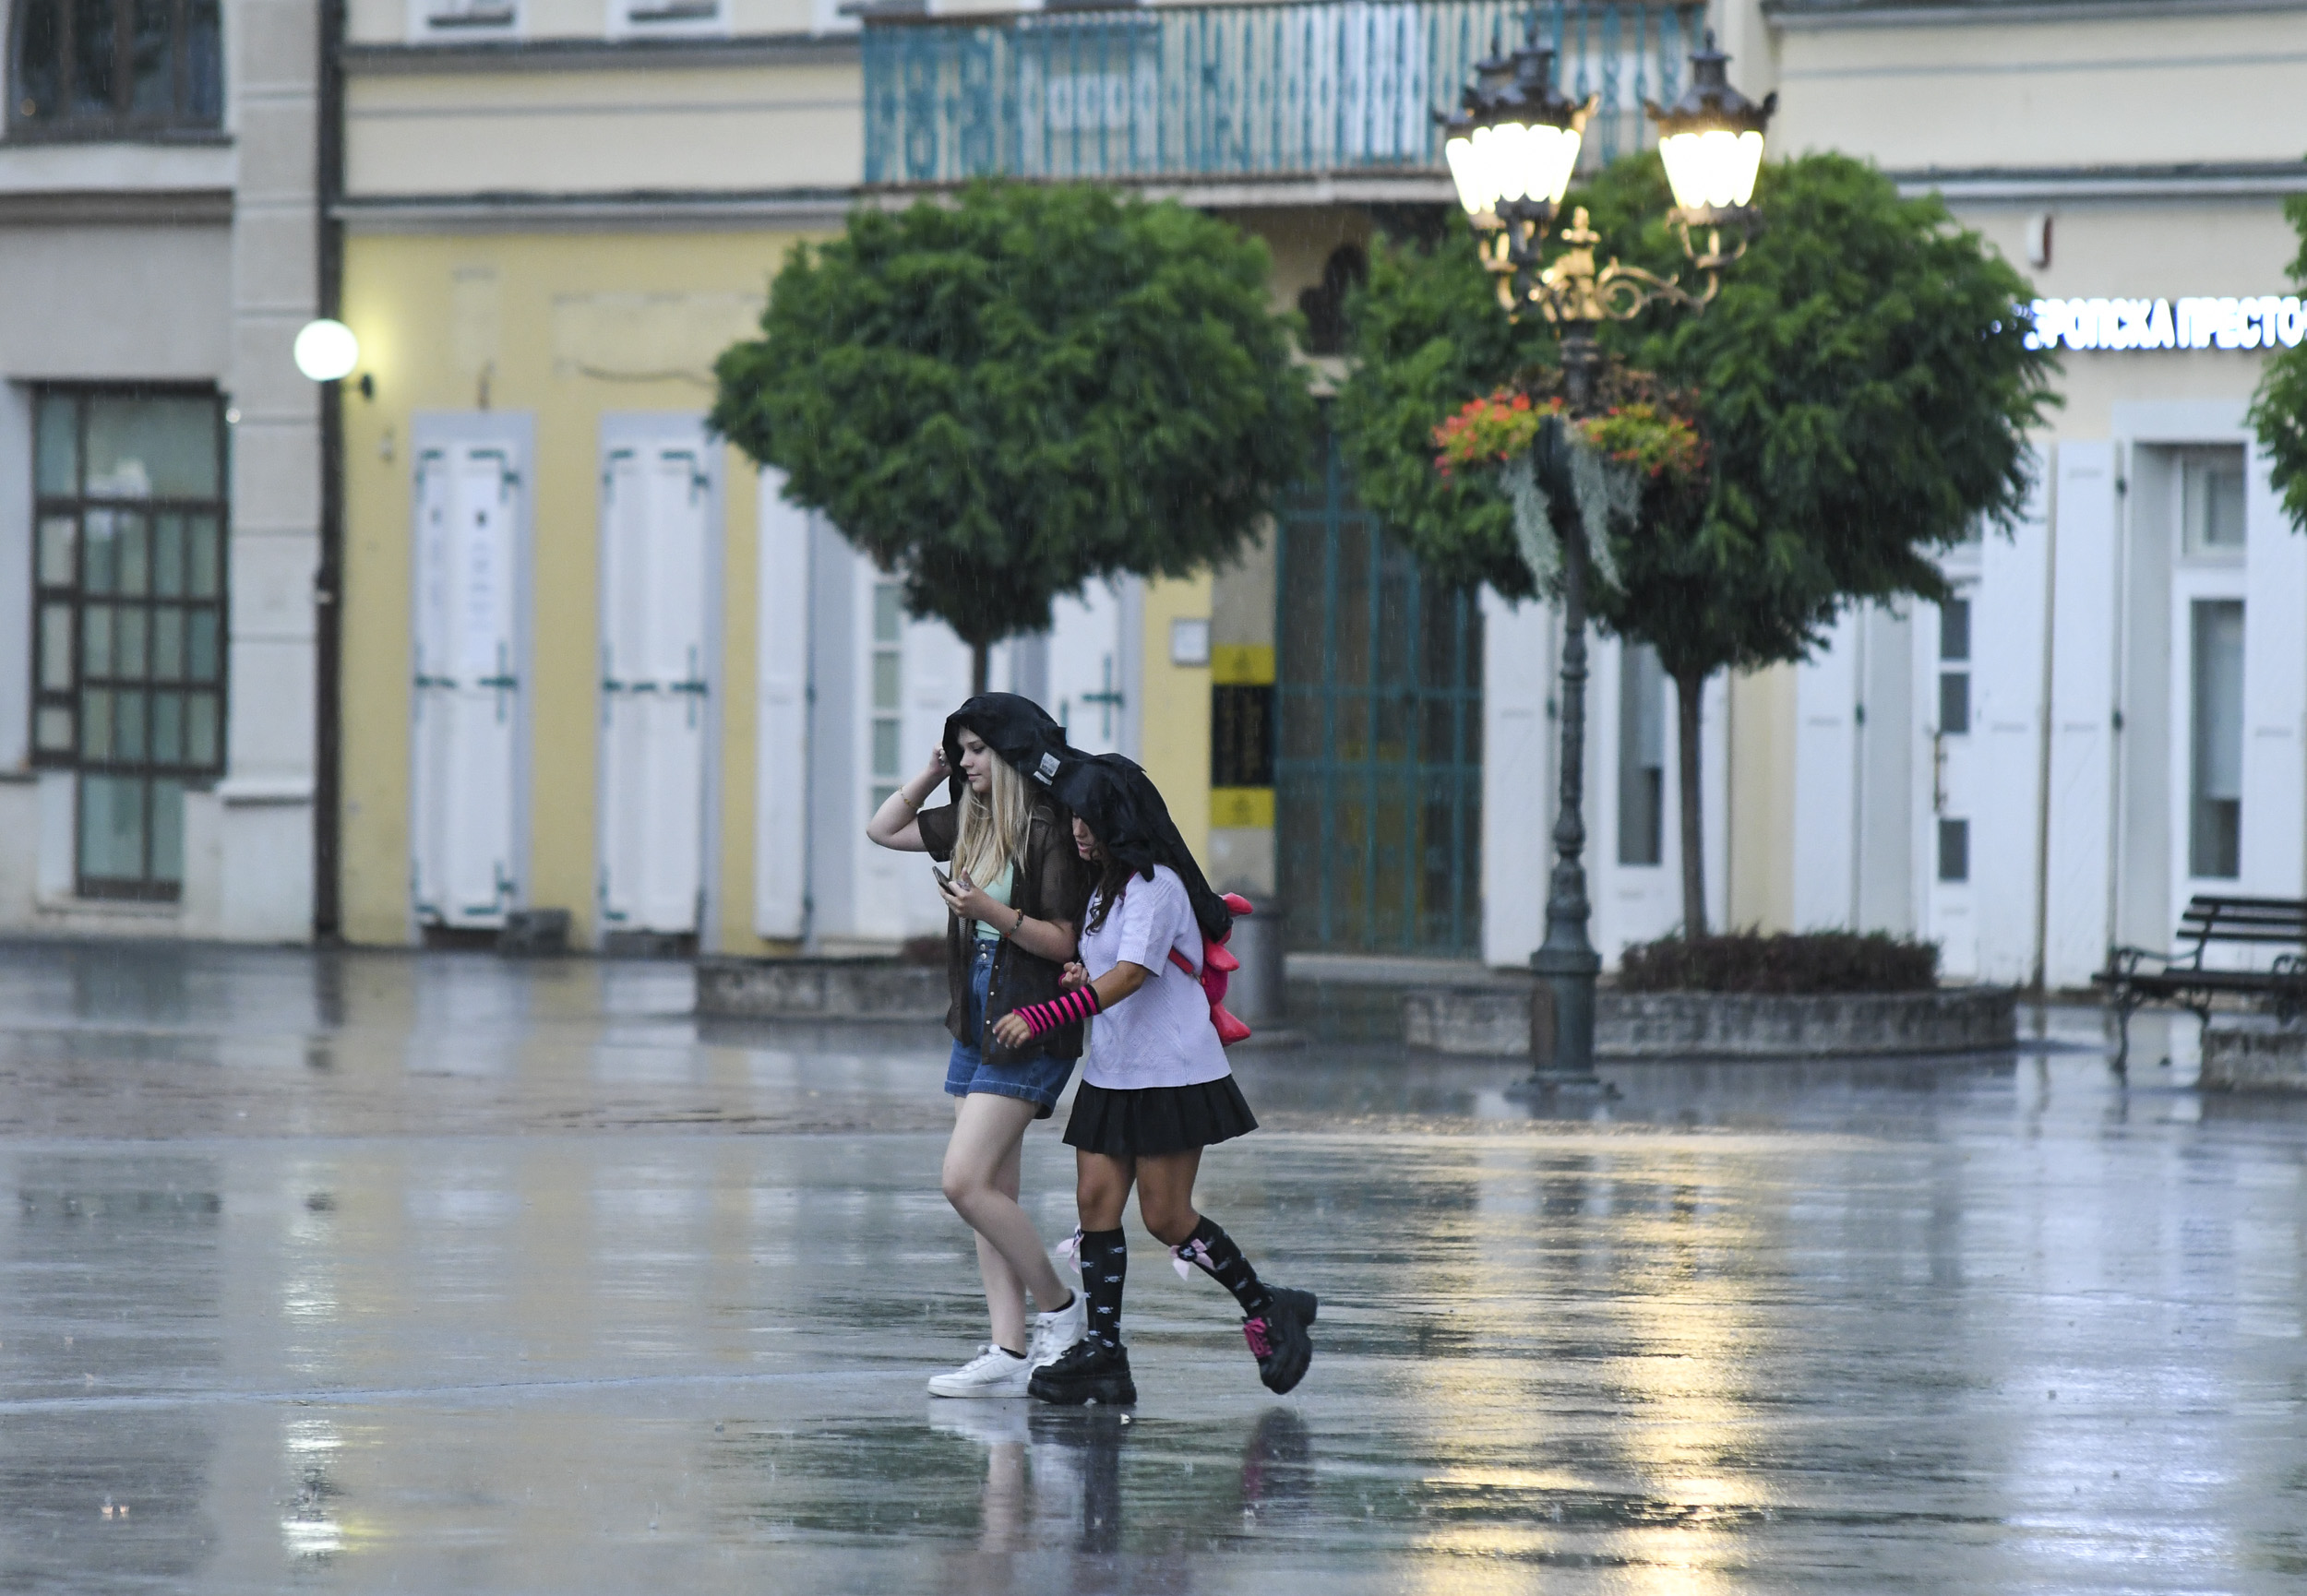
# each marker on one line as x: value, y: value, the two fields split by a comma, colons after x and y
x: 2137, y: 975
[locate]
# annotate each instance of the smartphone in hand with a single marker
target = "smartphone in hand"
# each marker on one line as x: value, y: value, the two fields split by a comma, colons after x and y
x: 943, y: 879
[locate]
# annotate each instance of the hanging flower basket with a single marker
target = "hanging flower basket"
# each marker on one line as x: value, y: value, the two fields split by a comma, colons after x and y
x: 1603, y: 465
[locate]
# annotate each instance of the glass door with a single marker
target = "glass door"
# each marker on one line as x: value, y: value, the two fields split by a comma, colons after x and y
x: 1945, y: 706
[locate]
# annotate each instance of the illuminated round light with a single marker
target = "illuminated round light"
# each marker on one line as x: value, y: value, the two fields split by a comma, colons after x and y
x: 326, y: 350
x: 1712, y: 170
x: 1710, y: 139
x: 1516, y: 139
x: 1466, y: 171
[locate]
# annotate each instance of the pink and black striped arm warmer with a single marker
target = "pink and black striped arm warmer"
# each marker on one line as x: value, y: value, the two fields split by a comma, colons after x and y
x: 1079, y: 1004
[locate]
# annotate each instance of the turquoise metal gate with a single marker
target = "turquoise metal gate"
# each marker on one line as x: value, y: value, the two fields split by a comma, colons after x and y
x: 1378, y: 816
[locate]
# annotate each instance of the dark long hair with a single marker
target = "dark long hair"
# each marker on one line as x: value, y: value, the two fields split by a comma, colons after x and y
x: 1112, y: 884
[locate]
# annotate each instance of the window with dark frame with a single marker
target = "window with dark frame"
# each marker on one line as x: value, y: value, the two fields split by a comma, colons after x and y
x: 1955, y: 668
x: 473, y: 16
x: 1953, y: 851
x: 128, y: 640
x: 114, y: 68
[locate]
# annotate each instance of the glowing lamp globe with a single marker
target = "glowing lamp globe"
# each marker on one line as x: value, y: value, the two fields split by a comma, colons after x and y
x: 1516, y: 139
x: 1711, y: 138
x: 1712, y: 171
x: 326, y: 350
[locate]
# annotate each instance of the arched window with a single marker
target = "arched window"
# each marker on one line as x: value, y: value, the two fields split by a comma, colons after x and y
x: 1323, y: 306
x: 115, y: 68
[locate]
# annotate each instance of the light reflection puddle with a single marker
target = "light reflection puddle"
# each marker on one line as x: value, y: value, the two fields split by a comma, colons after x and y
x: 383, y: 1394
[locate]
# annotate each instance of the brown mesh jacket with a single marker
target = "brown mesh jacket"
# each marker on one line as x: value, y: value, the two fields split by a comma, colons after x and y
x: 1052, y: 884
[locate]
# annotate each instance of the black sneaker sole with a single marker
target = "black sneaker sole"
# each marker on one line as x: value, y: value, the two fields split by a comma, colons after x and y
x: 1104, y: 1391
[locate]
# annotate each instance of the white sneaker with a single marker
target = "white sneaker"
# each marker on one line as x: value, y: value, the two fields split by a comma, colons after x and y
x: 1053, y: 1332
x: 993, y: 1372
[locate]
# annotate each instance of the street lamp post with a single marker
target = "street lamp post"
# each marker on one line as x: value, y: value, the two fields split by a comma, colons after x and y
x: 1513, y: 148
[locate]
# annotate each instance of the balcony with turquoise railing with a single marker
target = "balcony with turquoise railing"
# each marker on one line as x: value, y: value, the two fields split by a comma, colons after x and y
x: 1297, y: 100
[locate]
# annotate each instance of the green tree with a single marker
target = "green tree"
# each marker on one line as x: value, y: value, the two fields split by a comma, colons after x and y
x: 1862, y: 382
x: 1008, y: 396
x: 2279, y: 411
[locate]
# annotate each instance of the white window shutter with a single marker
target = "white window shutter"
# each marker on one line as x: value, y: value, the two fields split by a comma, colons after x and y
x: 467, y: 685
x: 781, y: 708
x: 655, y: 687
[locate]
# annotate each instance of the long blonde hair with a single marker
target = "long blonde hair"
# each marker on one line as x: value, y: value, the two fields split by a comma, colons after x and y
x: 993, y: 827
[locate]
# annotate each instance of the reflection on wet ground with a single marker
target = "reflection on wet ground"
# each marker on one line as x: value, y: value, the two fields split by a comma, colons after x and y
x: 440, y: 1273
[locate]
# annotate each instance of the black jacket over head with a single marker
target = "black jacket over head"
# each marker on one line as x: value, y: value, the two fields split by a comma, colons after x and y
x: 1126, y: 813
x: 1012, y: 726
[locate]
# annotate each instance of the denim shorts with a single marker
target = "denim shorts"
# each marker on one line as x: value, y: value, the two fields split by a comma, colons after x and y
x: 1038, y: 1080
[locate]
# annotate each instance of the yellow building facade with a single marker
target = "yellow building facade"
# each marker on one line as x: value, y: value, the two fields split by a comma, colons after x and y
x: 558, y: 215
x: 558, y: 211
x: 555, y: 224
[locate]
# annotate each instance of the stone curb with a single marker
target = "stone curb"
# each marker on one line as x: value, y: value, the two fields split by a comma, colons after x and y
x: 1494, y: 1021
x: 2250, y: 1056
x: 859, y: 989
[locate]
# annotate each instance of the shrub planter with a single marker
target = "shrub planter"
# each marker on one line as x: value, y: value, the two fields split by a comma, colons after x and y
x: 881, y: 989
x: 2254, y: 1055
x: 1631, y: 1027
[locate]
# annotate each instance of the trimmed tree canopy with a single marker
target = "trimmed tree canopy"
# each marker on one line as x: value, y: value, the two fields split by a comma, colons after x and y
x: 1861, y: 383
x: 1008, y: 396
x: 2278, y: 413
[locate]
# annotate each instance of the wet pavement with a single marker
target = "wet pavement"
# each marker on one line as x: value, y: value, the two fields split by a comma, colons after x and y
x: 438, y: 1273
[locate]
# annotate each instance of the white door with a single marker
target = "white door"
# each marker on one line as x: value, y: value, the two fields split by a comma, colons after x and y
x: 1945, y: 708
x: 1638, y: 841
x: 2211, y: 619
x: 1826, y: 781
x: 1634, y: 798
x: 466, y: 695
x: 656, y: 502
x: 911, y: 674
x: 1088, y: 674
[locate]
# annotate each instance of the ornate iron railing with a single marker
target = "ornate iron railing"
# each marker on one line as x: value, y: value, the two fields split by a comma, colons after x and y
x: 1235, y: 90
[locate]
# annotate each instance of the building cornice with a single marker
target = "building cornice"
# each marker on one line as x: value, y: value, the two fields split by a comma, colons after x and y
x: 1804, y: 19
x: 117, y: 208
x: 495, y: 55
x: 2207, y: 180
x: 652, y: 210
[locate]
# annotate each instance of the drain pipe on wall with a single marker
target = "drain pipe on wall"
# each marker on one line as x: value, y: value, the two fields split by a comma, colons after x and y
x: 328, y: 574
x: 808, y: 738
x: 2043, y: 750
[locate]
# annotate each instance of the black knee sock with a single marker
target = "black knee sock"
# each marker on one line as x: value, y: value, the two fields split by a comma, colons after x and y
x: 1215, y: 1252
x: 1105, y: 1264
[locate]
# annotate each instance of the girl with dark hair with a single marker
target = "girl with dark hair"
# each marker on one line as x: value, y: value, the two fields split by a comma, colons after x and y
x: 1155, y: 1089
x: 1015, y: 899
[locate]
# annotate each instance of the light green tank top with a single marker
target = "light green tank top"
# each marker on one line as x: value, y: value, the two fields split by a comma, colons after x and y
x: 999, y: 890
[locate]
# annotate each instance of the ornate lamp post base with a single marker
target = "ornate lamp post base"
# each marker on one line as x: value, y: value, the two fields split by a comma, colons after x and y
x: 1562, y: 1023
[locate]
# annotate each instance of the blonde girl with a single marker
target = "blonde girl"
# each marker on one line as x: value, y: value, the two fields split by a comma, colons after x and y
x: 1014, y: 898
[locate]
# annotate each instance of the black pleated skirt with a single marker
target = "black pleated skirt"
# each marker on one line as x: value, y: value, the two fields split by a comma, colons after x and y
x: 1155, y: 1120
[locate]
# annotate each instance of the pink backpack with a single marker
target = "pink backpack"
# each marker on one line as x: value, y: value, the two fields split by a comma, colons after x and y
x: 1217, y: 965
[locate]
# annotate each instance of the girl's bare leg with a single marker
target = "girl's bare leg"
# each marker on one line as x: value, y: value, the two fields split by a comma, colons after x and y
x: 1005, y: 1292
x: 1165, y: 1194
x: 981, y: 1182
x: 1101, y: 1188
